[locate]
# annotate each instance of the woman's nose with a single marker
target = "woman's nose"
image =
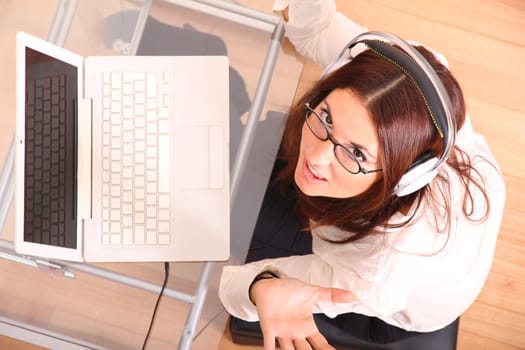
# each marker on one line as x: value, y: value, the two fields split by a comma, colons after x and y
x: 321, y: 152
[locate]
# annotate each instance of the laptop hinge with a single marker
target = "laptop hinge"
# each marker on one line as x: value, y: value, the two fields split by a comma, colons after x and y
x: 84, y: 158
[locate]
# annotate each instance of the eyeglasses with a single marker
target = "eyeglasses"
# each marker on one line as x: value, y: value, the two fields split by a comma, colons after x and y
x: 344, y: 156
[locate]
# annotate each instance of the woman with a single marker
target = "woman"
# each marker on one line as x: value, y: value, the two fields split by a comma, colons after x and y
x: 392, y: 263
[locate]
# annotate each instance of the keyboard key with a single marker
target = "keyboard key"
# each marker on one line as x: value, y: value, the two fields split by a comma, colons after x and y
x: 139, y: 234
x: 151, y: 237
x: 164, y: 164
x: 115, y: 239
x: 164, y: 238
x: 127, y: 236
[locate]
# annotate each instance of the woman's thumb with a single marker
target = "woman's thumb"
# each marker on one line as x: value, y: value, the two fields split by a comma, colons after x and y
x: 336, y: 295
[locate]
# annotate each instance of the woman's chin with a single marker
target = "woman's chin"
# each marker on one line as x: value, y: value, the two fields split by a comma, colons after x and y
x: 309, y: 188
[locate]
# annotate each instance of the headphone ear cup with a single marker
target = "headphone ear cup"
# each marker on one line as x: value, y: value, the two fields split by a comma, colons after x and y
x: 416, y: 178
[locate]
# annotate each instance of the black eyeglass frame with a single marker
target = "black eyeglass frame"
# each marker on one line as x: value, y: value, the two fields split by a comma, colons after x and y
x: 309, y: 111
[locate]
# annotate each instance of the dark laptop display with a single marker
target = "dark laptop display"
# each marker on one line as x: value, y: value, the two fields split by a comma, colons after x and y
x: 50, y: 163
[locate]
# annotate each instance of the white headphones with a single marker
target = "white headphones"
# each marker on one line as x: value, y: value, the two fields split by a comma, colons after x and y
x: 427, y: 82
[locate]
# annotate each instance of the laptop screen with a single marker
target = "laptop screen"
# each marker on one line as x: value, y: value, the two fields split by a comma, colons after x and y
x: 50, y: 207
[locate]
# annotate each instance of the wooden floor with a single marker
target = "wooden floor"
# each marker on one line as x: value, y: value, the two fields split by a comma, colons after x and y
x: 484, y: 41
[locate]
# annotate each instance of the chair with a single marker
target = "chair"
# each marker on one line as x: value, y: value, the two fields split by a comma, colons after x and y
x: 249, y: 333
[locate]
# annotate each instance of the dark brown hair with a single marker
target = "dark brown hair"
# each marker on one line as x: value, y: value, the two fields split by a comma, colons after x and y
x: 405, y: 131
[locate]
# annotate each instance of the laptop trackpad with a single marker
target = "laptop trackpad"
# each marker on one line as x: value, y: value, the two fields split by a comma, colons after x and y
x: 201, y: 154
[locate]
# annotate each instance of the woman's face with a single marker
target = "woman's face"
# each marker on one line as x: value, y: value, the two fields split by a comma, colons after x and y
x: 318, y: 172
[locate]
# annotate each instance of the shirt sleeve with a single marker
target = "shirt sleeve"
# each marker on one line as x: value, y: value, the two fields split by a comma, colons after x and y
x: 372, y: 298
x: 316, y: 29
x: 235, y: 282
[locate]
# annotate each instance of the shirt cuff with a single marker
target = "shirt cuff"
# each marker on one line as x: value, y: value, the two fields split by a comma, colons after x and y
x: 233, y: 290
x: 316, y: 29
x: 280, y: 5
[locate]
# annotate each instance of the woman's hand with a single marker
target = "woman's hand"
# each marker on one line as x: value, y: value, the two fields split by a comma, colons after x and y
x: 285, y: 308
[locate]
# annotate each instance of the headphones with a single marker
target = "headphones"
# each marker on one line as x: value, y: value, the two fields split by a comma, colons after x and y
x: 425, y: 167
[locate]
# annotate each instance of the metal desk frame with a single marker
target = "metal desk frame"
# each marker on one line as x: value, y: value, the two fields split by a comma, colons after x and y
x: 58, y: 32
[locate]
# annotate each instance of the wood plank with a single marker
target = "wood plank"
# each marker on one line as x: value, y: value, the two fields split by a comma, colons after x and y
x: 489, y: 321
x: 468, y: 340
x: 14, y: 344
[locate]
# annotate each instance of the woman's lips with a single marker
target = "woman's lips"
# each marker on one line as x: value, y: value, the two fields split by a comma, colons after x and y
x: 310, y: 174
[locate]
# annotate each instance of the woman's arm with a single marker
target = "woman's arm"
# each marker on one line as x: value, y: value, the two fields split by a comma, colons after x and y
x: 316, y: 29
x: 236, y: 281
x: 284, y: 305
x: 329, y: 267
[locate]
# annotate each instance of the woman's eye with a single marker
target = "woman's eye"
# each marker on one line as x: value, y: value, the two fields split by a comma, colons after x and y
x: 358, y: 154
x: 325, y: 117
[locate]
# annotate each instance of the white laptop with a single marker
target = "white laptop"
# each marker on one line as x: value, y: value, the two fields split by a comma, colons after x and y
x: 121, y: 158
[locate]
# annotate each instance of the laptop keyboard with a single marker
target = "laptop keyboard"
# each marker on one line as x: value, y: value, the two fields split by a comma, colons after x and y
x: 136, y: 158
x: 48, y: 191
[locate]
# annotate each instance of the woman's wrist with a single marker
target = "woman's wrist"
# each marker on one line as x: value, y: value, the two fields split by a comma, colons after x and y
x: 265, y: 275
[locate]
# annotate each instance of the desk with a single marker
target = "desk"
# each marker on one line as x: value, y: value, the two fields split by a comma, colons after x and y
x: 95, y: 312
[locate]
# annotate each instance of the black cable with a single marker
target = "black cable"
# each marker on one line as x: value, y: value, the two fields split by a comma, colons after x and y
x: 166, y: 274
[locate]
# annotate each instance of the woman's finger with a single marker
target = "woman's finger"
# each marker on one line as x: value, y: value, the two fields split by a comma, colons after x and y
x: 268, y: 341
x: 319, y: 342
x: 302, y: 344
x: 285, y: 343
x: 335, y: 295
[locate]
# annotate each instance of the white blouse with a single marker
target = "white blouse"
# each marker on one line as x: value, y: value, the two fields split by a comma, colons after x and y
x: 413, y: 277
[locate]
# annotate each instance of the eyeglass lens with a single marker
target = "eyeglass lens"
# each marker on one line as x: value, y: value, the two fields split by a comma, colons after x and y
x: 320, y: 130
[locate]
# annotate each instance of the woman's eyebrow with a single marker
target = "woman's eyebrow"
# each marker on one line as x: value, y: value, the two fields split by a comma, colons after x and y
x: 350, y: 143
